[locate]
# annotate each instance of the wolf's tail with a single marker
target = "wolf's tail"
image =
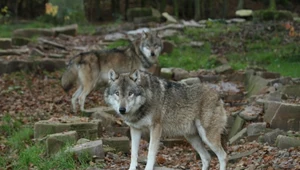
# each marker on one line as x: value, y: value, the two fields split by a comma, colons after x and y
x: 69, y: 77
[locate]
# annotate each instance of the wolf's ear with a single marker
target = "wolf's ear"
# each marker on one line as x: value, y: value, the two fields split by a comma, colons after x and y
x: 135, y: 76
x: 130, y: 37
x: 112, y: 75
x: 158, y: 34
x: 144, y: 35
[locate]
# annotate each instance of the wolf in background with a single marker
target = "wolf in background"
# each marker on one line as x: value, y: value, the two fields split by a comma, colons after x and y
x: 91, y: 68
x: 168, y: 109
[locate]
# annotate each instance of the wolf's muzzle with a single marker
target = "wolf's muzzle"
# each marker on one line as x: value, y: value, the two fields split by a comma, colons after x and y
x: 122, y: 110
x: 152, y: 54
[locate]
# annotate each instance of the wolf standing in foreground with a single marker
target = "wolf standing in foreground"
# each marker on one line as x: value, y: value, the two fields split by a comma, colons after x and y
x: 91, y: 68
x: 168, y: 109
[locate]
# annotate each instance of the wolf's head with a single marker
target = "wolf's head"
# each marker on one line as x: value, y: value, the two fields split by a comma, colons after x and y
x: 124, y: 94
x: 151, y: 46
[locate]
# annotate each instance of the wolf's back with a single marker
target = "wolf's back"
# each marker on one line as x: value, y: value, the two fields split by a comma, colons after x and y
x: 69, y: 77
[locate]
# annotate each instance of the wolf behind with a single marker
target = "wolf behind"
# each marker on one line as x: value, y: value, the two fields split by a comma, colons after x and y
x: 91, y: 68
x: 168, y: 109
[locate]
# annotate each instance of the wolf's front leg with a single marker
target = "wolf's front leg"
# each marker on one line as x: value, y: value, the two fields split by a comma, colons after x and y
x: 155, y: 134
x: 135, y: 141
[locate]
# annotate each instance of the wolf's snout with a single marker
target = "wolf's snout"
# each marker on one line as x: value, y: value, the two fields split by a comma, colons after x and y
x: 152, y: 54
x: 122, y: 110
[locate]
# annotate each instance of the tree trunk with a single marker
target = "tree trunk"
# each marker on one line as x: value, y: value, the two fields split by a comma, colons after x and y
x: 190, y: 8
x: 210, y: 13
x: 162, y: 5
x: 240, y: 5
x: 272, y: 4
x: 126, y: 8
x: 115, y: 8
x: 176, y: 8
x: 143, y: 3
x: 225, y: 8
x: 197, y: 10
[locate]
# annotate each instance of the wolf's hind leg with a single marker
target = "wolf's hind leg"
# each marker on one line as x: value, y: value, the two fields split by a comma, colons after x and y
x: 75, y: 97
x: 198, y: 145
x: 212, y: 138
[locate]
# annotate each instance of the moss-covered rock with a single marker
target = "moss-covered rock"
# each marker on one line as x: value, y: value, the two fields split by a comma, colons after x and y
x: 277, y: 15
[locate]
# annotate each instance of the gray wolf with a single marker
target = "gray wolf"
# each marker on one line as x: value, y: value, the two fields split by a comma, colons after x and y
x: 168, y: 108
x: 90, y: 69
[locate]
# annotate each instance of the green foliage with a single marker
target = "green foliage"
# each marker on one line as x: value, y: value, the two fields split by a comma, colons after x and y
x: 33, y: 156
x: 7, y: 29
x: 214, y: 29
x: 64, y: 12
x: 285, y: 68
x: 4, y: 15
x: 29, y: 157
x: 269, y: 15
x: 20, y: 138
x: 119, y: 43
x: 8, y: 125
x: 187, y: 57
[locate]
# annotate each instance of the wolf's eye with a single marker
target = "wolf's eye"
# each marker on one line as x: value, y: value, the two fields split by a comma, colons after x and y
x: 117, y: 93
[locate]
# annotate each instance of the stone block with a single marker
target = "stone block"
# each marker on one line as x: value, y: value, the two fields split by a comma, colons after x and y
x: 191, y: 81
x: 250, y: 112
x: 55, y: 142
x: 121, y: 144
x: 179, y: 74
x: 268, y: 75
x: 237, y: 126
x: 91, y: 149
x: 256, y: 128
x: 255, y: 84
x: 118, y: 131
x: 238, y: 136
x: 5, y: 43
x: 224, y: 69
x: 20, y: 41
x: 66, y: 30
x: 292, y: 90
x: 285, y: 142
x: 167, y: 73
x: 237, y: 76
x: 32, y: 32
x: 282, y: 115
x: 210, y: 78
x: 270, y: 137
x: 85, y: 128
